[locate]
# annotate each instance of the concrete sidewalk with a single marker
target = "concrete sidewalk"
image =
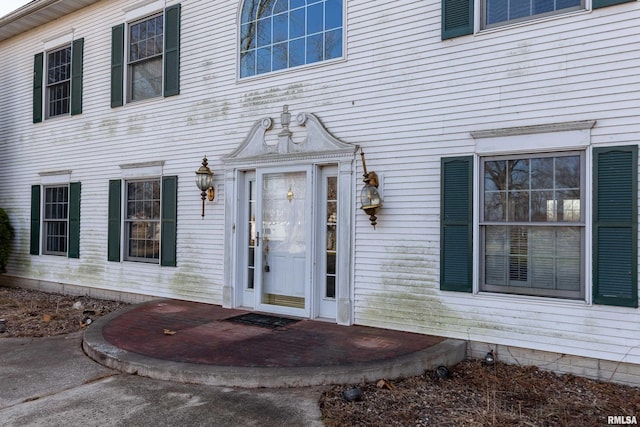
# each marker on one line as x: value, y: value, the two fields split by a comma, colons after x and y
x: 51, y: 382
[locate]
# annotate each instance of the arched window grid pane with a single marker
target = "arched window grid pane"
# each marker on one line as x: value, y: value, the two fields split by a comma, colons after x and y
x: 280, y: 6
x: 281, y: 34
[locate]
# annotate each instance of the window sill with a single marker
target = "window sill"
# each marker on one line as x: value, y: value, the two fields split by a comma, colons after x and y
x: 140, y: 262
x: 528, y: 299
x: 56, y: 118
x: 130, y: 104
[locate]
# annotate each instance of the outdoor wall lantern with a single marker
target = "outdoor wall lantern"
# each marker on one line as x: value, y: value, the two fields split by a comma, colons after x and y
x: 204, y: 181
x: 369, y: 197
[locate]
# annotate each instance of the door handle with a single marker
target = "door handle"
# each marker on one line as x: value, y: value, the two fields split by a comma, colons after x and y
x: 257, y: 238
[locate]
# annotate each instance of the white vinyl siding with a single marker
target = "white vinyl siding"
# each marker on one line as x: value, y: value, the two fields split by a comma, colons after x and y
x: 403, y: 95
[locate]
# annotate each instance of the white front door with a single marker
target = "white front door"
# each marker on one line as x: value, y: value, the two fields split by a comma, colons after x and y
x: 283, y: 234
x: 288, y: 250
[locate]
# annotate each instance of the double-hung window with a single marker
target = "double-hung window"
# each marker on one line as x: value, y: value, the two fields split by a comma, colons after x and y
x: 280, y: 34
x: 55, y: 220
x: 502, y: 12
x: 145, y: 54
x: 143, y: 220
x: 459, y: 17
x: 532, y: 224
x: 145, y: 46
x: 57, y: 79
x: 533, y: 230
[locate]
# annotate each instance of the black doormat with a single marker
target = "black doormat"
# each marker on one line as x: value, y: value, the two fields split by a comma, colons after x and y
x: 262, y: 320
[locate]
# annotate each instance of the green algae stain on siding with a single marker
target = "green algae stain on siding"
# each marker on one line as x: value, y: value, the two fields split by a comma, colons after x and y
x: 408, y: 294
x: 407, y: 288
x: 92, y: 269
x: 195, y: 285
x: 206, y: 111
x: 409, y: 267
x: 136, y: 123
x: 110, y: 126
x: 20, y: 258
x: 273, y: 95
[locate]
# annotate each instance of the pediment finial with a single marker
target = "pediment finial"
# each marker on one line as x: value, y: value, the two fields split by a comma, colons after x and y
x: 285, y: 121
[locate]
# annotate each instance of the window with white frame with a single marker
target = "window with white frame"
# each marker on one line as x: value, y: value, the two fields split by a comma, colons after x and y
x: 58, y: 78
x: 560, y: 222
x: 532, y: 224
x: 142, y: 220
x: 142, y: 213
x: 459, y: 17
x: 145, y: 50
x: 145, y: 54
x: 280, y: 34
x: 58, y: 93
x: 501, y: 12
x: 55, y: 220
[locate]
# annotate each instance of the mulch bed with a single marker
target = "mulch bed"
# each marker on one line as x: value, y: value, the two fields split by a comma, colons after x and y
x: 474, y: 394
x: 30, y: 313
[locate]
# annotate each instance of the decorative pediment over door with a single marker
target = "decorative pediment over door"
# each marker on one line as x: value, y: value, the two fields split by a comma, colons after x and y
x: 306, y: 137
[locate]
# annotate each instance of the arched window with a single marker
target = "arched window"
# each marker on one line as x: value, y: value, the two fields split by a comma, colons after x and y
x: 280, y: 34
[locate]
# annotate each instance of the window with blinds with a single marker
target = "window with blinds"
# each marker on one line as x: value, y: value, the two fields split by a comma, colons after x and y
x: 532, y: 224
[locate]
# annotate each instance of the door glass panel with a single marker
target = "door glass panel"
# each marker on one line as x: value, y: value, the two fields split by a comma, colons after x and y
x: 283, y: 239
x: 251, y: 263
x: 332, y: 223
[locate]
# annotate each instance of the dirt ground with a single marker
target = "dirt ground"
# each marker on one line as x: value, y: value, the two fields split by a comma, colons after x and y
x: 475, y: 394
x: 29, y: 313
x: 472, y: 394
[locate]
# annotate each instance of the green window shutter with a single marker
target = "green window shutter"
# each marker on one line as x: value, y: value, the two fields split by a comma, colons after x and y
x: 114, y: 227
x: 77, y: 54
x: 597, y: 4
x: 117, y: 66
x: 456, y: 224
x: 34, y: 245
x: 615, y: 226
x: 457, y: 18
x: 74, y: 220
x: 169, y: 221
x: 172, y: 50
x: 38, y: 64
